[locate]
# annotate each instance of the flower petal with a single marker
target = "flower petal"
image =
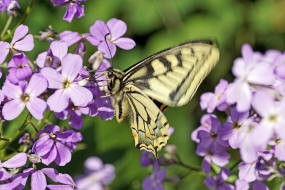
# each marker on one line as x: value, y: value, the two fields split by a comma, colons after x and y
x: 240, y: 93
x: 20, y: 32
x: 58, y: 177
x: 58, y: 101
x: 79, y: 95
x: 59, y: 49
x: 43, y: 145
x: 4, y: 51
x: 50, y: 156
x: 55, y: 80
x: 12, y: 91
x: 36, y: 106
x: 41, y: 59
x: 23, y: 73
x: 107, y: 48
x: 92, y: 39
x: 12, y: 109
x: 70, y: 37
x: 38, y: 181
x: 16, y: 161
x: 75, y: 120
x: 69, y: 12
x: 263, y: 103
x: 117, y: 28
x: 61, y: 187
x: 71, y: 66
x: 262, y: 74
x: 26, y: 44
x: 125, y: 43
x: 37, y: 85
x: 99, y: 29
x: 63, y: 154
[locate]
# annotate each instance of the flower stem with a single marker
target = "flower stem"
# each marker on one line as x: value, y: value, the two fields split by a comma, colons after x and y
x: 180, y: 163
x: 7, y: 25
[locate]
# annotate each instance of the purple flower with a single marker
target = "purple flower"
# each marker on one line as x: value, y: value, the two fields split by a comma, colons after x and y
x: 21, y: 41
x: 96, y: 176
x: 38, y: 180
x: 110, y: 35
x: 273, y: 117
x: 67, y: 88
x: 154, y: 182
x: 54, y: 56
x: 54, y: 145
x: 20, y: 68
x: 219, y: 182
x: 25, y: 96
x: 211, y: 100
x: 212, y: 146
x: 206, y: 123
x: 74, y: 8
x: 248, y: 70
x: 16, y: 161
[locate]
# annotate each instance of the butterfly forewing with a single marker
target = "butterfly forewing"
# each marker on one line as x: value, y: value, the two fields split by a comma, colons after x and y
x: 173, y: 76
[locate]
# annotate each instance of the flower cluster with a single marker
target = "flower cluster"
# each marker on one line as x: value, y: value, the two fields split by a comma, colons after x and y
x: 59, y: 82
x: 255, y: 124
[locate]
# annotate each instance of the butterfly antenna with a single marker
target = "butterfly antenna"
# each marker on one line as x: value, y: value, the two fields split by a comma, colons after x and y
x: 106, y: 35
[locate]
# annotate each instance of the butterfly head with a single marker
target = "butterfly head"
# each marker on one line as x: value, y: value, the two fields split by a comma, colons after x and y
x: 114, y: 77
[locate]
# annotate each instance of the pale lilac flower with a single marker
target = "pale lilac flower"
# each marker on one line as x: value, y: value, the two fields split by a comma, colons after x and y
x: 219, y: 182
x: 67, y: 88
x: 21, y: 42
x: 25, y: 96
x: 20, y: 68
x: 248, y: 70
x: 54, y: 145
x: 97, y: 175
x: 217, y: 99
x: 74, y: 8
x: 154, y: 182
x: 273, y: 117
x: 110, y: 35
x: 206, y: 123
x: 54, y: 56
x: 16, y: 161
x: 38, y: 180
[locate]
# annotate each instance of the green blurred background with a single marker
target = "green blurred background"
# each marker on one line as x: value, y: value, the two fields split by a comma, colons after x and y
x: 156, y: 25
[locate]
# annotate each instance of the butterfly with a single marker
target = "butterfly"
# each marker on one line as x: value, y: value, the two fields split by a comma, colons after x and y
x: 167, y: 78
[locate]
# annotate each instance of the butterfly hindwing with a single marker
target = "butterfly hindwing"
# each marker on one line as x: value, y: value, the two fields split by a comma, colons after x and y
x: 148, y: 124
x: 173, y: 76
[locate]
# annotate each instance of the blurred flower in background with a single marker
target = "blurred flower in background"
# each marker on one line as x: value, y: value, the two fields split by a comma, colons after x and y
x: 97, y: 175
